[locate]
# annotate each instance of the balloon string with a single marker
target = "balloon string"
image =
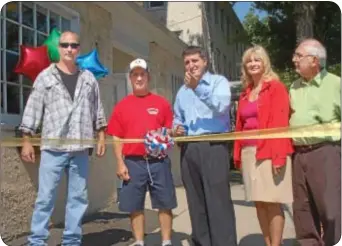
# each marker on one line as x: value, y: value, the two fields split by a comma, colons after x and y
x: 320, y: 130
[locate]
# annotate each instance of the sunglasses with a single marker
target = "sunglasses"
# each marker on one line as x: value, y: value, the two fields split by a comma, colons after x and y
x: 72, y: 45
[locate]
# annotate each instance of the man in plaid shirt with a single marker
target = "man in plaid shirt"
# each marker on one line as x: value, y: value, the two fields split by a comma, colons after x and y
x: 66, y: 102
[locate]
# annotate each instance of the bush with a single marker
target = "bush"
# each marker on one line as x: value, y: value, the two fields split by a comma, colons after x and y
x: 335, y: 69
x: 289, y: 75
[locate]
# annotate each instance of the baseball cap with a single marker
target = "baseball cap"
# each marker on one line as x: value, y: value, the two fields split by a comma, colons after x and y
x: 138, y: 63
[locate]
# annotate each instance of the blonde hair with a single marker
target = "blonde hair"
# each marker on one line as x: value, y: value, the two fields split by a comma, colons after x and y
x: 261, y: 53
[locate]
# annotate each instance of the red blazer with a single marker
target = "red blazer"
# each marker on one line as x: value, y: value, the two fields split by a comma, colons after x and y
x: 273, y: 112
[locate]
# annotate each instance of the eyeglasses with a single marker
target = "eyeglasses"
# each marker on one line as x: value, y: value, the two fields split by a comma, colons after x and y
x: 299, y: 56
x: 72, y: 45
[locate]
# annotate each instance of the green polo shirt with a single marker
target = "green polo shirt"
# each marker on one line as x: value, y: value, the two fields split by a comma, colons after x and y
x: 315, y: 102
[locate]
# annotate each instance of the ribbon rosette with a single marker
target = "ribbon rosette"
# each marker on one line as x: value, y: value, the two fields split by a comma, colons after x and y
x: 157, y: 142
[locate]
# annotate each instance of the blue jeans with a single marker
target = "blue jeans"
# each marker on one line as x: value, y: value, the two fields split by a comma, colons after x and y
x: 51, y: 168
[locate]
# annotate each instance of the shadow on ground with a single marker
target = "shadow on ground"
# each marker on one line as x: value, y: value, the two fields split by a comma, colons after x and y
x: 100, y: 217
x: 107, y: 237
x: 258, y: 240
x: 178, y: 238
x: 243, y: 203
x: 235, y: 177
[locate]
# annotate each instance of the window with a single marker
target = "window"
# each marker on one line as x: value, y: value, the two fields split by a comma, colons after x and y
x: 225, y: 68
x: 176, y: 83
x: 230, y: 69
x: 218, y: 60
x: 208, y: 9
x: 222, y: 20
x: 27, y: 23
x: 216, y: 12
x: 155, y: 4
x: 227, y: 27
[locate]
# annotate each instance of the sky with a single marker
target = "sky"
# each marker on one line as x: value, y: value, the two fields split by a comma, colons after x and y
x: 242, y: 8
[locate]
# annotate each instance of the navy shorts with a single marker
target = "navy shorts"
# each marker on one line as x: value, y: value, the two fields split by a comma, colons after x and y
x: 156, y: 176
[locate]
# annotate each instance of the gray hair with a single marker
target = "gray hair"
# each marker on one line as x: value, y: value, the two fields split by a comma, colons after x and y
x: 315, y: 48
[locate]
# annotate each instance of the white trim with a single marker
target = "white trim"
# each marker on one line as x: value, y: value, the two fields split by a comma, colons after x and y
x: 10, y: 119
x: 60, y: 9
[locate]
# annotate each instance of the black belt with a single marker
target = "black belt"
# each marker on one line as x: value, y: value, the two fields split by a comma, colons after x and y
x: 311, y: 147
x: 150, y: 159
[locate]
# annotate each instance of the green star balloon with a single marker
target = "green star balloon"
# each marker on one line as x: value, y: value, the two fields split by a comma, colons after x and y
x: 52, y: 44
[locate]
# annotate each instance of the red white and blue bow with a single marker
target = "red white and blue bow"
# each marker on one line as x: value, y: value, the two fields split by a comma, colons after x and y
x: 157, y: 142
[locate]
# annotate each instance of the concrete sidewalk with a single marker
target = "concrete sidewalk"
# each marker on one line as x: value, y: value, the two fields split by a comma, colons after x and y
x: 248, y: 229
x: 110, y: 227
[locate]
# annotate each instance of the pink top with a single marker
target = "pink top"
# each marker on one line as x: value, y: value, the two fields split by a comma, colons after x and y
x: 249, y: 119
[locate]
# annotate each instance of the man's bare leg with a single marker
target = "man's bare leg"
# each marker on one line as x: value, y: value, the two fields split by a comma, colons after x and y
x: 165, y: 220
x: 138, y: 225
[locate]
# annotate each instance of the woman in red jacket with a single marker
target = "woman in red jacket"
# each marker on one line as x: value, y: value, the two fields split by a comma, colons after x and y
x: 265, y: 163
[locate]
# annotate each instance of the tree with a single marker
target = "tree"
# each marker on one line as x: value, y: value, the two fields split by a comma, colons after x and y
x: 327, y: 29
x: 304, y: 15
x: 275, y: 33
x: 289, y: 22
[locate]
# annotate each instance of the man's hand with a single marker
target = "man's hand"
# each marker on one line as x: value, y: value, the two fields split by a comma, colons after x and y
x: 190, y: 80
x: 276, y: 170
x: 122, y: 171
x: 179, y: 131
x: 100, y: 148
x: 101, y: 145
x: 27, y: 152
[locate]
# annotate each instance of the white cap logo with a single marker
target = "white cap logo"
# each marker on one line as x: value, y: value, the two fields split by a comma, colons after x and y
x: 138, y: 63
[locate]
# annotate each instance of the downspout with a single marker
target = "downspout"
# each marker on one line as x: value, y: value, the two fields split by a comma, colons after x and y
x: 207, y: 38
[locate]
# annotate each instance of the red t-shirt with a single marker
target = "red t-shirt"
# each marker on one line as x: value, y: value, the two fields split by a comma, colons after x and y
x: 133, y: 116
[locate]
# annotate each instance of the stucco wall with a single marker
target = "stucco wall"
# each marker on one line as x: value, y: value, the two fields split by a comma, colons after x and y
x: 185, y: 16
x: 121, y: 61
x: 163, y: 65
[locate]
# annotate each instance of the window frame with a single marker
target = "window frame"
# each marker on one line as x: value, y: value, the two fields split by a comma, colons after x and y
x: 12, y: 119
x: 148, y: 5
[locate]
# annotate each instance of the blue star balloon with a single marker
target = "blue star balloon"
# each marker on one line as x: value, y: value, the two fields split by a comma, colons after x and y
x: 91, y: 62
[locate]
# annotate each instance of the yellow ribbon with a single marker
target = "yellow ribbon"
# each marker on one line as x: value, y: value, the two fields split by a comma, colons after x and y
x: 320, y: 130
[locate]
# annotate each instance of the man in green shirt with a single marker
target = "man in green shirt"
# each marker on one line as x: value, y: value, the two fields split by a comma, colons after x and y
x: 315, y: 99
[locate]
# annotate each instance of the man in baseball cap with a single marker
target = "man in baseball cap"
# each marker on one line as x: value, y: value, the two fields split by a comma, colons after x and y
x: 133, y: 117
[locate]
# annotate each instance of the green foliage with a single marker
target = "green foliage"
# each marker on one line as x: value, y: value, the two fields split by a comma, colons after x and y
x: 289, y: 75
x: 335, y: 69
x: 277, y: 32
x: 274, y: 34
x: 337, y: 112
x: 327, y: 29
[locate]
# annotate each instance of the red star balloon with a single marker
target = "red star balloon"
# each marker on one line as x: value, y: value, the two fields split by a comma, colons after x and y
x: 32, y: 61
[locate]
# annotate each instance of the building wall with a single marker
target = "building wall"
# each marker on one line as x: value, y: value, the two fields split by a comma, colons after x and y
x: 216, y: 31
x: 225, y: 28
x: 121, y: 60
x: 164, y: 66
x: 182, y: 17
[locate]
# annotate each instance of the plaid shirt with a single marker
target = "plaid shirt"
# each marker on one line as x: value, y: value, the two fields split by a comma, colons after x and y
x: 51, y: 107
